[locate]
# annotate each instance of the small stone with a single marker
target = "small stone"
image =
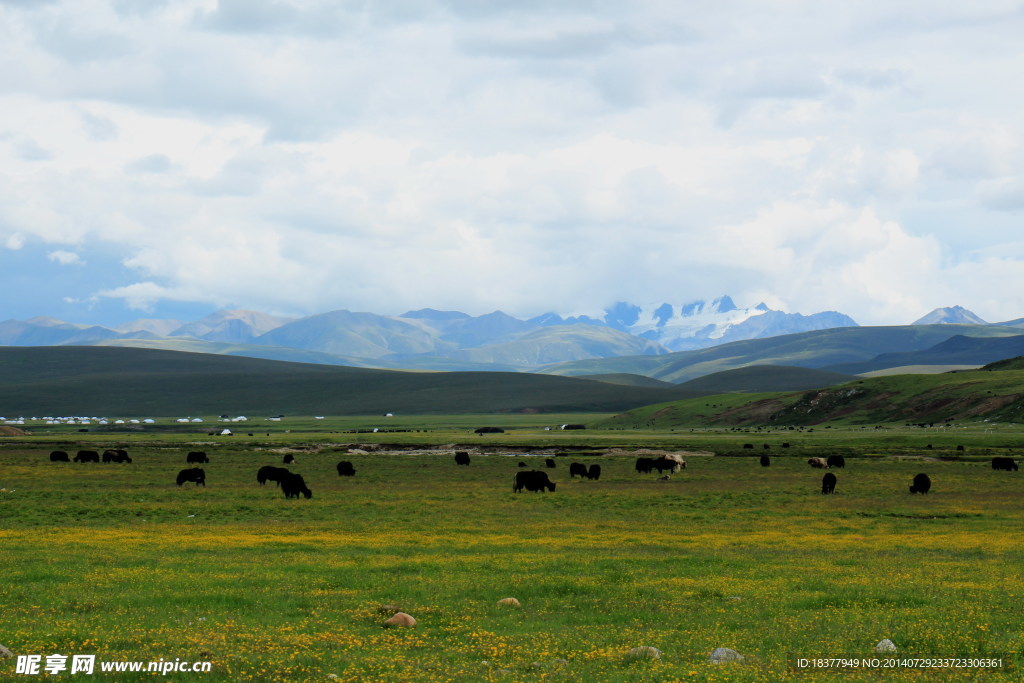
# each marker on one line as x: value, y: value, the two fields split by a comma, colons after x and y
x: 509, y: 602
x: 388, y: 609
x: 724, y: 654
x: 4, y: 652
x: 885, y: 645
x: 558, y: 662
x: 644, y: 652
x: 400, y: 619
x: 734, y: 598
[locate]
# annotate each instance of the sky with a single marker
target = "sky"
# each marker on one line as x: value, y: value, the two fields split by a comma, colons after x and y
x: 168, y: 158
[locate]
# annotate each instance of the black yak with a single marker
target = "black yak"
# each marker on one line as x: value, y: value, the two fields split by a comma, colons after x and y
x: 922, y: 484
x: 837, y: 461
x: 533, y: 480
x: 1006, y: 464
x: 549, y: 463
x: 765, y: 461
x: 195, y: 474
x: 462, y: 458
x: 197, y: 457
x: 270, y: 473
x: 594, y: 472
x: 59, y: 456
x: 87, y: 456
x: 577, y: 469
x: 292, y: 484
x: 345, y: 469
x: 828, y: 483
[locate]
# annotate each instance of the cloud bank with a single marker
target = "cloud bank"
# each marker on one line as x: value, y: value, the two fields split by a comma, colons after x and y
x: 302, y: 156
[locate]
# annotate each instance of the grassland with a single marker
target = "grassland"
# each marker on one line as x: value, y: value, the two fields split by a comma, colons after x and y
x: 969, y: 395
x: 61, y: 381
x: 116, y: 560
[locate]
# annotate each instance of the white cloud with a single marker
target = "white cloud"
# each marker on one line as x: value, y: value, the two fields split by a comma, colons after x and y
x: 65, y: 258
x: 298, y: 156
x: 15, y: 241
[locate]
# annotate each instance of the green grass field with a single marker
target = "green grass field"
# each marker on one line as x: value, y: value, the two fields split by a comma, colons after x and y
x: 117, y: 561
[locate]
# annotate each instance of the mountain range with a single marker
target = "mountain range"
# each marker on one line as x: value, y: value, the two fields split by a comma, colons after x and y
x: 668, y: 342
x: 438, y: 340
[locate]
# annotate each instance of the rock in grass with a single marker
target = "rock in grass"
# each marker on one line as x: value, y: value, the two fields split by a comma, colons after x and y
x: 509, y: 602
x: 388, y: 609
x: 4, y: 652
x: 643, y: 652
x: 400, y: 619
x: 885, y: 645
x: 724, y: 654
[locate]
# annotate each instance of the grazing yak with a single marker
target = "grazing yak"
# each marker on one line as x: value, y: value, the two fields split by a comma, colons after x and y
x: 534, y: 480
x: 59, y: 456
x: 195, y: 474
x: 665, y: 463
x: 116, y: 455
x: 828, y: 483
x: 644, y: 465
x: 271, y: 473
x: 748, y: 445
x: 818, y: 463
x: 292, y: 484
x: 345, y: 469
x: 837, y: 461
x: 677, y: 459
x: 523, y: 464
x: 1006, y: 464
x: 594, y: 472
x: 549, y: 463
x: 577, y: 469
x: 87, y: 456
x: 289, y: 459
x: 197, y: 457
x: 765, y: 461
x: 922, y: 484
x: 461, y: 458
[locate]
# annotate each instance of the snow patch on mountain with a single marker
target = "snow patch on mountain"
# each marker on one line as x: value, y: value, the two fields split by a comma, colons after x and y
x: 700, y: 324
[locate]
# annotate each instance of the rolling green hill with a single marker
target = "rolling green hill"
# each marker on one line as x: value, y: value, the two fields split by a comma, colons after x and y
x: 56, y: 381
x: 557, y: 342
x: 958, y: 350
x: 968, y: 395
x: 762, y: 378
x: 631, y: 380
x: 817, y: 349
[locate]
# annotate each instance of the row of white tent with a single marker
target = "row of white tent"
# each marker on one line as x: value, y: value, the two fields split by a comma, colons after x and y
x: 81, y: 420
x: 73, y: 420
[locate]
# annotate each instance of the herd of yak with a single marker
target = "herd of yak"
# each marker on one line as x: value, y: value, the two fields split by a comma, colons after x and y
x: 293, y: 485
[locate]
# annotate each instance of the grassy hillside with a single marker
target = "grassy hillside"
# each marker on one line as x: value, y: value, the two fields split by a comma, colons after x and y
x: 630, y: 380
x: 818, y: 349
x: 1016, y: 363
x: 957, y: 350
x: 971, y: 395
x: 558, y: 343
x: 761, y: 378
x: 143, y: 382
x: 429, y: 363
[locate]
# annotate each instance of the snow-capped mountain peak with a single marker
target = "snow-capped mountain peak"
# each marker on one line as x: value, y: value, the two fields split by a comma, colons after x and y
x: 699, y: 324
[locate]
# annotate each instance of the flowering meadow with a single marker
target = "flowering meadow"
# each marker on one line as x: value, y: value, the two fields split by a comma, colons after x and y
x: 116, y: 560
